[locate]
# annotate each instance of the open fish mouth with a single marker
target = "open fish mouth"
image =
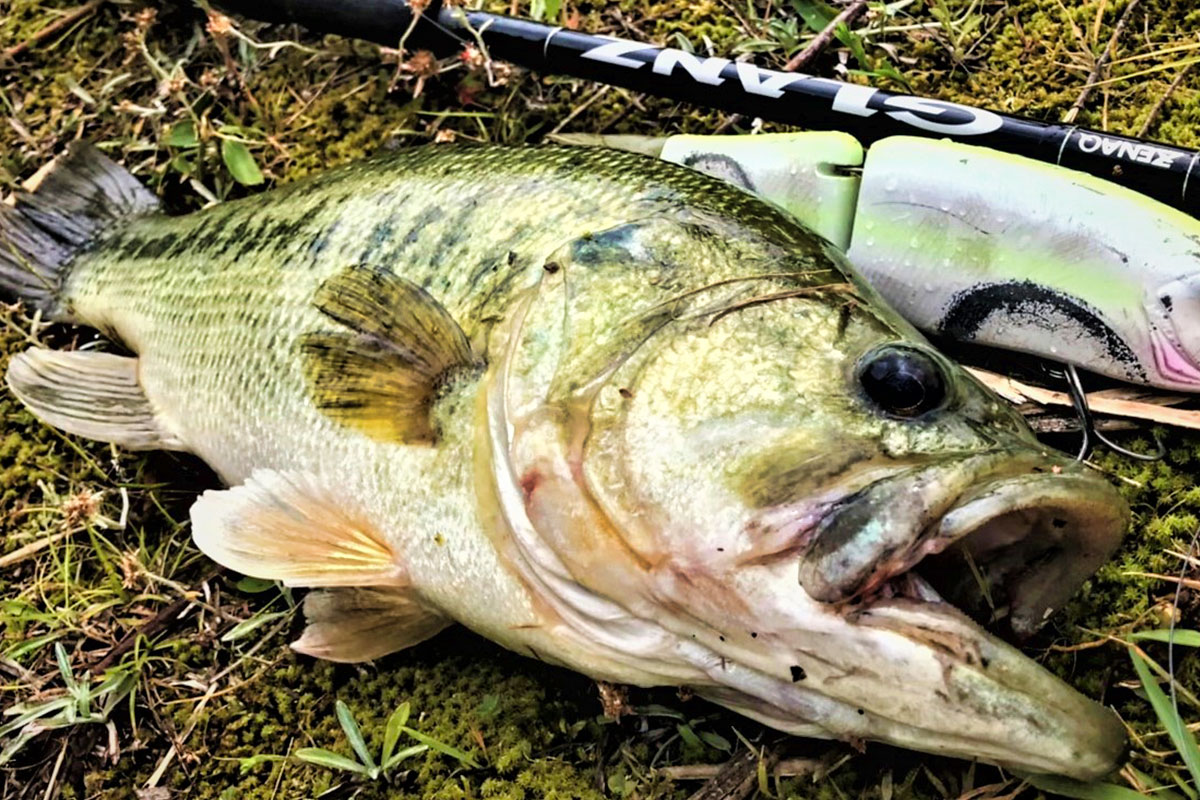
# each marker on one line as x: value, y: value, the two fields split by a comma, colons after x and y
x: 1005, y: 542
x: 944, y: 561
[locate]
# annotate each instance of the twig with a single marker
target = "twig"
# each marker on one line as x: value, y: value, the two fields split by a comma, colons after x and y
x: 22, y: 553
x: 65, y: 21
x: 51, y: 784
x: 1100, y: 64
x: 150, y: 626
x: 813, y: 49
x: 177, y: 745
x: 579, y: 109
x: 786, y: 768
x: 1016, y: 392
x: 737, y: 778
x: 1187, y: 583
x: 1162, y: 99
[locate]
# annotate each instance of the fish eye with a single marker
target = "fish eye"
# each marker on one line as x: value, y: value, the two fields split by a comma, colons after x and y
x: 902, y: 381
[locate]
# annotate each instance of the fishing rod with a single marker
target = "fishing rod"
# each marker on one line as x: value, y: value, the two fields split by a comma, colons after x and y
x: 1161, y: 171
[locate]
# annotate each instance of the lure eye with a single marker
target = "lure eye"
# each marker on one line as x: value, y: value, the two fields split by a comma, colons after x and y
x: 902, y: 381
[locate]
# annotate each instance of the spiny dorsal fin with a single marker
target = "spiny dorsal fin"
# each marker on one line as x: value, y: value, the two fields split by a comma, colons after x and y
x: 91, y: 394
x: 81, y: 196
x: 382, y: 376
x: 290, y: 527
x: 351, y: 625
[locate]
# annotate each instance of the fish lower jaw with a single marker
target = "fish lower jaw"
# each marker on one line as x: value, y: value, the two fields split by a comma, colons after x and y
x: 1076, y: 738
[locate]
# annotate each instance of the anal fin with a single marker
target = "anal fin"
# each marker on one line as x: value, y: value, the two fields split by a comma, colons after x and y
x: 290, y: 527
x: 351, y: 625
x: 91, y: 394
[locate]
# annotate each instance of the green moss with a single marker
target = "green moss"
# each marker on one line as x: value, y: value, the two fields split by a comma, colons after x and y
x: 124, y: 84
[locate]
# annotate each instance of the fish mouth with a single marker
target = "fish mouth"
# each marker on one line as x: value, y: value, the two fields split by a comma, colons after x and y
x: 1005, y: 542
x: 1010, y: 556
x: 967, y: 554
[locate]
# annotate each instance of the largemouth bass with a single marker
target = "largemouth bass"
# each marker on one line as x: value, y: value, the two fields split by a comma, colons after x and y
x: 604, y: 410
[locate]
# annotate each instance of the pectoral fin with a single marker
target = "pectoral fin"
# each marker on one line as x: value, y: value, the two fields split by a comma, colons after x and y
x: 290, y: 527
x: 350, y: 625
x: 381, y: 373
x: 91, y: 394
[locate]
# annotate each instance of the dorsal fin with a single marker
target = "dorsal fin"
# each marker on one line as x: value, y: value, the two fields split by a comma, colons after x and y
x: 382, y: 375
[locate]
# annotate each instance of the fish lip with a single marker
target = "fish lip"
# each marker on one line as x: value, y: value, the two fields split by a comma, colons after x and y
x: 1038, y: 537
x: 1038, y: 528
x: 1170, y: 313
x: 1064, y: 733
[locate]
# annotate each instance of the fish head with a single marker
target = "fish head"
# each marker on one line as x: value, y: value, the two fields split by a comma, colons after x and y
x: 793, y: 494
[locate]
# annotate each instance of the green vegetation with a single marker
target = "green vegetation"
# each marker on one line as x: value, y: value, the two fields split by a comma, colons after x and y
x: 193, y: 690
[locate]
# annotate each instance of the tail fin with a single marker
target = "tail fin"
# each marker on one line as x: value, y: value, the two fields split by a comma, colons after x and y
x: 80, y: 196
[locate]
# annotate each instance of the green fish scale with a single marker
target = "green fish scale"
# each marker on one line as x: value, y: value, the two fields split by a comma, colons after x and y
x: 215, y: 302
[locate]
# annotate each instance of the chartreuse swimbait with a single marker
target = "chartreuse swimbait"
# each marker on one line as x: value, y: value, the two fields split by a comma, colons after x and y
x: 979, y: 245
x: 605, y: 410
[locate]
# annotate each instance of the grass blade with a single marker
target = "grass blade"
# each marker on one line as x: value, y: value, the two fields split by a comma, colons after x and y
x: 1182, y: 636
x: 407, y: 752
x: 324, y: 758
x: 1184, y: 741
x: 346, y: 718
x: 248, y: 626
x: 64, y: 665
x: 443, y: 748
x: 391, y: 734
x: 35, y: 712
x: 1066, y: 787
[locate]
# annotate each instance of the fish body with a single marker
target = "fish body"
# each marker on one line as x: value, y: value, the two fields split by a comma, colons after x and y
x: 606, y: 411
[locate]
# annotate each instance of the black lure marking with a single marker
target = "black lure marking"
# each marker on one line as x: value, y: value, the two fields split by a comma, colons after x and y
x: 720, y: 166
x: 971, y: 308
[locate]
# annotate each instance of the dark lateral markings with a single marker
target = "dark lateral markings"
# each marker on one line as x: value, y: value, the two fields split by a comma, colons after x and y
x: 971, y: 308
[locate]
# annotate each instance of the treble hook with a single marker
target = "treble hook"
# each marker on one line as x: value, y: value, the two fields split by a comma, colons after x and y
x: 1087, y: 424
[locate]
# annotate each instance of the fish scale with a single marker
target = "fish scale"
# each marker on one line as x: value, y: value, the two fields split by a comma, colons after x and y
x: 206, y: 335
x: 584, y: 403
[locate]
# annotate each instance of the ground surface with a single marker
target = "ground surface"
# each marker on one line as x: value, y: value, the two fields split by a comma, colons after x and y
x: 97, y: 556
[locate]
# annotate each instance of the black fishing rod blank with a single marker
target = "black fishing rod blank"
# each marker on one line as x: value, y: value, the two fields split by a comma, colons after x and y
x: 1158, y: 170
